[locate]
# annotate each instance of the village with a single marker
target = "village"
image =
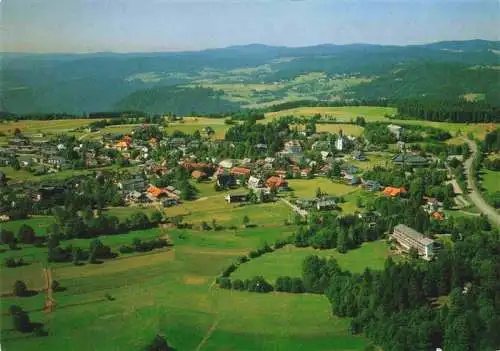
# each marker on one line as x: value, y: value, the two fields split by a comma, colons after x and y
x: 141, y: 165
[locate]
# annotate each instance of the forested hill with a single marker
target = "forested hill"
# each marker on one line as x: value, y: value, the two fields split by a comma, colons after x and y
x: 79, y: 83
x: 177, y: 100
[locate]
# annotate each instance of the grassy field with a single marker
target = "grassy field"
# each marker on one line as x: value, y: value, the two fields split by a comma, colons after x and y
x: 24, y: 175
x: 307, y: 187
x: 490, y: 180
x: 288, y: 261
x: 377, y: 114
x: 28, y: 127
x: 171, y: 292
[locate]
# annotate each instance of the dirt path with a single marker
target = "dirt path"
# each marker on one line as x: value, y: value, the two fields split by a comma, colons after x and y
x: 475, y: 195
x: 208, y: 335
x: 295, y: 208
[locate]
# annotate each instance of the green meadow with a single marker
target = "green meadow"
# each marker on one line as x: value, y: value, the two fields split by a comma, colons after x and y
x: 288, y: 261
x: 171, y: 292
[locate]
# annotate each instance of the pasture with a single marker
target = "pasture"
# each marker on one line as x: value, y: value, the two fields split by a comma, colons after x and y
x: 28, y: 127
x: 378, y: 114
x: 171, y: 292
x: 287, y: 261
x: 490, y: 180
x: 307, y: 187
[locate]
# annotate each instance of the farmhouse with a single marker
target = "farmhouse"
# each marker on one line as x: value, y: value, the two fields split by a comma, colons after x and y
x: 236, y: 197
x: 137, y: 197
x: 358, y: 155
x: 57, y: 161
x: 198, y: 175
x: 409, y: 160
x: 393, y: 192
x: 292, y: 147
x: 226, y: 163
x: 207, y: 131
x: 170, y: 202
x: 325, y: 204
x: 255, y: 183
x: 409, y: 238
x: 395, y: 130
x: 240, y: 171
x: 136, y: 183
x: 371, y: 185
x: 277, y: 182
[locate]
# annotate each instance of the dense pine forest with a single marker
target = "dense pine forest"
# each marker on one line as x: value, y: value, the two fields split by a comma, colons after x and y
x: 459, y: 111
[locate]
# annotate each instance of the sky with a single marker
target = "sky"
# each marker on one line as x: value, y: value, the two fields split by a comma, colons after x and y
x: 178, y: 25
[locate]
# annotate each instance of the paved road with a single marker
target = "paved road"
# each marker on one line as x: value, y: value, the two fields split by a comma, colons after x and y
x: 475, y: 195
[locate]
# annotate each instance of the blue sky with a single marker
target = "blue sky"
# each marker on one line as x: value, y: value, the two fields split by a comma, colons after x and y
x: 174, y: 25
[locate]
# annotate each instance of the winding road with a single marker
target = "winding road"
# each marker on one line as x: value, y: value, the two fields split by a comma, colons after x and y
x: 474, y: 194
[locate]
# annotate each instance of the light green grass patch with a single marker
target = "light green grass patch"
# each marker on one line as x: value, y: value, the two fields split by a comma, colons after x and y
x: 377, y: 114
x: 491, y: 180
x: 307, y: 187
x: 288, y: 261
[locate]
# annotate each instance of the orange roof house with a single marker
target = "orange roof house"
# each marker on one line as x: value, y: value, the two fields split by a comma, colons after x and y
x: 127, y: 139
x: 240, y: 171
x: 157, y: 192
x: 438, y: 216
x: 122, y: 145
x: 276, y: 182
x: 198, y: 174
x: 393, y: 192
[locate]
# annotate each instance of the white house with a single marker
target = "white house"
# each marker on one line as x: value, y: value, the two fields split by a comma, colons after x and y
x: 395, y: 130
x: 226, y: 163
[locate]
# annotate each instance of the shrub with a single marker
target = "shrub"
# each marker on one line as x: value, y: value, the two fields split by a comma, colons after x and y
x: 225, y: 283
x: 254, y: 254
x: 279, y: 244
x: 259, y: 284
x: 26, y: 234
x: 56, y: 286
x: 238, y: 284
x: 159, y: 343
x: 227, y: 272
x: 20, y: 288
x: 126, y: 249
x: 242, y: 259
x: 9, y: 262
x: 20, y: 319
x: 297, y: 286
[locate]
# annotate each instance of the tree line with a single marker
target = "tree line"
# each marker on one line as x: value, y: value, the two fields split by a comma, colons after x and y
x: 457, y: 111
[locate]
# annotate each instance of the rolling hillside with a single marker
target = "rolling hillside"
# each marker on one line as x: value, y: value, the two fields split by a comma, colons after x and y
x: 81, y: 83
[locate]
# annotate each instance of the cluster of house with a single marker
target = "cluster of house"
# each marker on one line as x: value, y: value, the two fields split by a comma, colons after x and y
x: 322, y: 203
x: 136, y: 191
x: 44, y: 155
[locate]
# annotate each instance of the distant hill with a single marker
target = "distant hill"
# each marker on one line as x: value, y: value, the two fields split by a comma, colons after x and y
x: 79, y: 83
x: 180, y: 101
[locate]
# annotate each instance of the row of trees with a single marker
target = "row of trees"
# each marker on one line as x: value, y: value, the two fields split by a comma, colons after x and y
x: 459, y: 111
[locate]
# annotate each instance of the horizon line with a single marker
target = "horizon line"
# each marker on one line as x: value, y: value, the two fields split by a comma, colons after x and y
x: 179, y: 51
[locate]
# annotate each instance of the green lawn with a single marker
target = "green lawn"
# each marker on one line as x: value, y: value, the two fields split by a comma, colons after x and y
x: 171, y: 293
x: 490, y: 180
x: 307, y: 187
x: 38, y: 223
x: 24, y: 175
x: 50, y: 127
x: 288, y: 261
